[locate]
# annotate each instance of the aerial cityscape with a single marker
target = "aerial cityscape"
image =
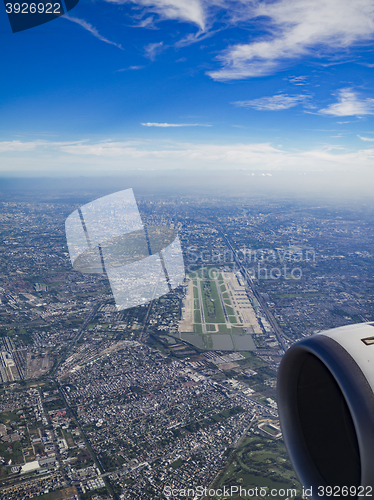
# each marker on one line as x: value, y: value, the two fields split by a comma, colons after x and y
x: 175, y: 397
x: 186, y: 202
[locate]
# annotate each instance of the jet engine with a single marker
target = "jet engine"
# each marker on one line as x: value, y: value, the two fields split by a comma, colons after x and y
x: 326, y: 411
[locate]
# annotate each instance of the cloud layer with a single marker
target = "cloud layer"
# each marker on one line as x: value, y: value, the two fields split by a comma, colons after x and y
x: 111, y: 157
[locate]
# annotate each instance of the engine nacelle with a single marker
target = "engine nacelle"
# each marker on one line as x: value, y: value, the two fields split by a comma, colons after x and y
x: 326, y: 408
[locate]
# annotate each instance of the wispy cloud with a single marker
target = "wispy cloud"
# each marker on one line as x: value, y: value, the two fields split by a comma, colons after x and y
x: 21, y: 146
x: 274, y: 103
x: 296, y: 28
x: 298, y: 80
x: 87, y: 26
x: 366, y: 139
x: 152, y: 50
x: 192, y: 11
x: 7, y: 146
x: 147, y: 22
x: 165, y: 125
x: 349, y: 104
x: 130, y: 68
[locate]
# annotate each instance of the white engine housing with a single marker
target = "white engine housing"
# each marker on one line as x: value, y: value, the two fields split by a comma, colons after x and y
x: 326, y: 407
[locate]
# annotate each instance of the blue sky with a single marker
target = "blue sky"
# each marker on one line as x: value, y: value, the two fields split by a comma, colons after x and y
x: 195, y: 84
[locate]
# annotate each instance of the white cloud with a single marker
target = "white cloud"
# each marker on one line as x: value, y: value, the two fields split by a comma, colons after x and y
x: 297, y: 28
x: 7, y: 146
x: 349, y: 104
x: 153, y: 49
x: 274, y: 103
x: 191, y: 11
x: 130, y: 68
x: 147, y: 22
x: 20, y: 146
x: 297, y: 80
x: 366, y: 139
x: 165, y: 125
x: 87, y: 26
x: 104, y: 149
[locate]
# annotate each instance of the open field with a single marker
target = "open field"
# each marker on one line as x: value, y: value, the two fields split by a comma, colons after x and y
x: 259, y: 462
x: 211, y: 303
x: 59, y: 494
x: 37, y: 366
